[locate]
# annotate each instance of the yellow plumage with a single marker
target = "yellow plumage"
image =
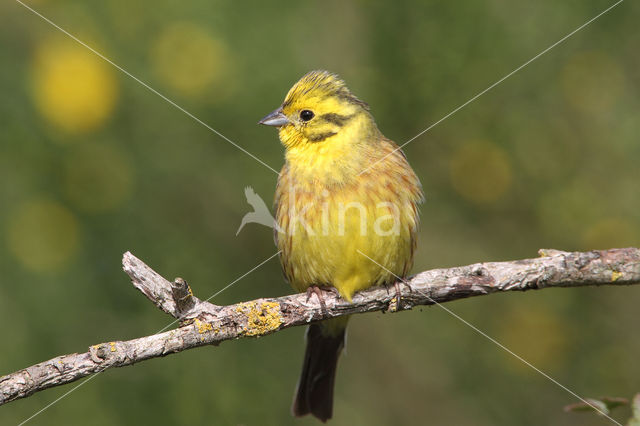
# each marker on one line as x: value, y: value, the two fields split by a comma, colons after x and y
x: 343, y: 193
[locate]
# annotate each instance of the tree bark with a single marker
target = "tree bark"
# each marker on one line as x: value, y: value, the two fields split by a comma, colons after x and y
x: 202, y: 323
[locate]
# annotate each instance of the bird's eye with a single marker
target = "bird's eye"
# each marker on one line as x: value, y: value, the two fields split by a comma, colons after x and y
x: 306, y: 115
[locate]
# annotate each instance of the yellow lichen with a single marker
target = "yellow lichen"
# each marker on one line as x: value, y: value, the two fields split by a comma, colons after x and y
x: 113, y: 346
x: 615, y: 275
x: 393, y: 305
x: 261, y: 318
x: 203, y: 327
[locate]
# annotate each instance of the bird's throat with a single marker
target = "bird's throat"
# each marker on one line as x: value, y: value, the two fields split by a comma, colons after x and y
x: 336, y: 160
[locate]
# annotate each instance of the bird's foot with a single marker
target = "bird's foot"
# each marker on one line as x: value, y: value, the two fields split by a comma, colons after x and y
x: 320, y: 291
x: 396, y: 286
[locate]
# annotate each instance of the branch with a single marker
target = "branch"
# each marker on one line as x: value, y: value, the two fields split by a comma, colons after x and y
x: 202, y: 323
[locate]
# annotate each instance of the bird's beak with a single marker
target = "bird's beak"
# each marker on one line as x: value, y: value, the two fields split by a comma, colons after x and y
x: 276, y: 118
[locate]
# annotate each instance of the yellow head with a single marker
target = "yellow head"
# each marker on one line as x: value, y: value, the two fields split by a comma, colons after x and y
x: 318, y: 109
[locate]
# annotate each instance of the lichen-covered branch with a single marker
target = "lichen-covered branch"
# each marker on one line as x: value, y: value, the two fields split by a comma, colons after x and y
x: 202, y: 323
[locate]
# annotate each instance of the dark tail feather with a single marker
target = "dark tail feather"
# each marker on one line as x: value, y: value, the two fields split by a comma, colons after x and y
x: 315, y: 388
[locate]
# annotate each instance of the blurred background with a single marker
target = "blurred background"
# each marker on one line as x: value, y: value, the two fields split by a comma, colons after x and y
x: 93, y: 164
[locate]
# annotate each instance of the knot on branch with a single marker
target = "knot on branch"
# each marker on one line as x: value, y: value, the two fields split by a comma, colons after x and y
x: 182, y: 297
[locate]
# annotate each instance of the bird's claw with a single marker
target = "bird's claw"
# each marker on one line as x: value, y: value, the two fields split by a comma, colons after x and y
x: 319, y: 292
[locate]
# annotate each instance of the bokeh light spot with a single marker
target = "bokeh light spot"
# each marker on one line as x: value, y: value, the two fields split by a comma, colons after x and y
x: 592, y: 82
x: 190, y: 60
x: 98, y: 177
x: 43, y: 235
x: 480, y: 172
x: 73, y: 88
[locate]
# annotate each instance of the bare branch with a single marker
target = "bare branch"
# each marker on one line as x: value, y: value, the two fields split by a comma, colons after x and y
x: 202, y: 323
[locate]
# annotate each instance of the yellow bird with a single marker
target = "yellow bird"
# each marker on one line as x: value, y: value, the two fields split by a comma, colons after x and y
x: 344, y: 194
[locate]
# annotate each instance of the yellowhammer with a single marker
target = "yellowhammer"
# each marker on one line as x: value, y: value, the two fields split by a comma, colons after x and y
x: 344, y: 192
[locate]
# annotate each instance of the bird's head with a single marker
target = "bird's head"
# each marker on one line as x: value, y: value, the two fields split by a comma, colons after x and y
x: 318, y: 109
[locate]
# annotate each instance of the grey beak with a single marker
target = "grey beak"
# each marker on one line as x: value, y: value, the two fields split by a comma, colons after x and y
x: 276, y: 118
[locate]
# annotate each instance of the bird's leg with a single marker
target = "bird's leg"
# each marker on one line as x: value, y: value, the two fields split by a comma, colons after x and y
x: 398, y: 295
x: 396, y: 286
x: 319, y: 292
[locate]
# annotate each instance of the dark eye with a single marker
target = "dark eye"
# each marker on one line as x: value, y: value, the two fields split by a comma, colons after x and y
x: 306, y: 115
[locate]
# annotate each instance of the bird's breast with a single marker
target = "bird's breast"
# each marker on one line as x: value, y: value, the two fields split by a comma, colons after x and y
x: 327, y: 233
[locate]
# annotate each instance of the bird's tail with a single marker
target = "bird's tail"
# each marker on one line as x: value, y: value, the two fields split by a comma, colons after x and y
x: 314, y: 394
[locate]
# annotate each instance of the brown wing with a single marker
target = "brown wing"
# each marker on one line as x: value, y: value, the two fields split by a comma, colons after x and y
x: 281, y: 202
x: 413, y: 191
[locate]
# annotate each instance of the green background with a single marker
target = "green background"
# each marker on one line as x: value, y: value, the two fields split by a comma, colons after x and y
x: 92, y: 164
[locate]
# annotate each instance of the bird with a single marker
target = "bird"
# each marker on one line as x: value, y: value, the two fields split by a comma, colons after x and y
x: 260, y: 213
x: 346, y: 203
